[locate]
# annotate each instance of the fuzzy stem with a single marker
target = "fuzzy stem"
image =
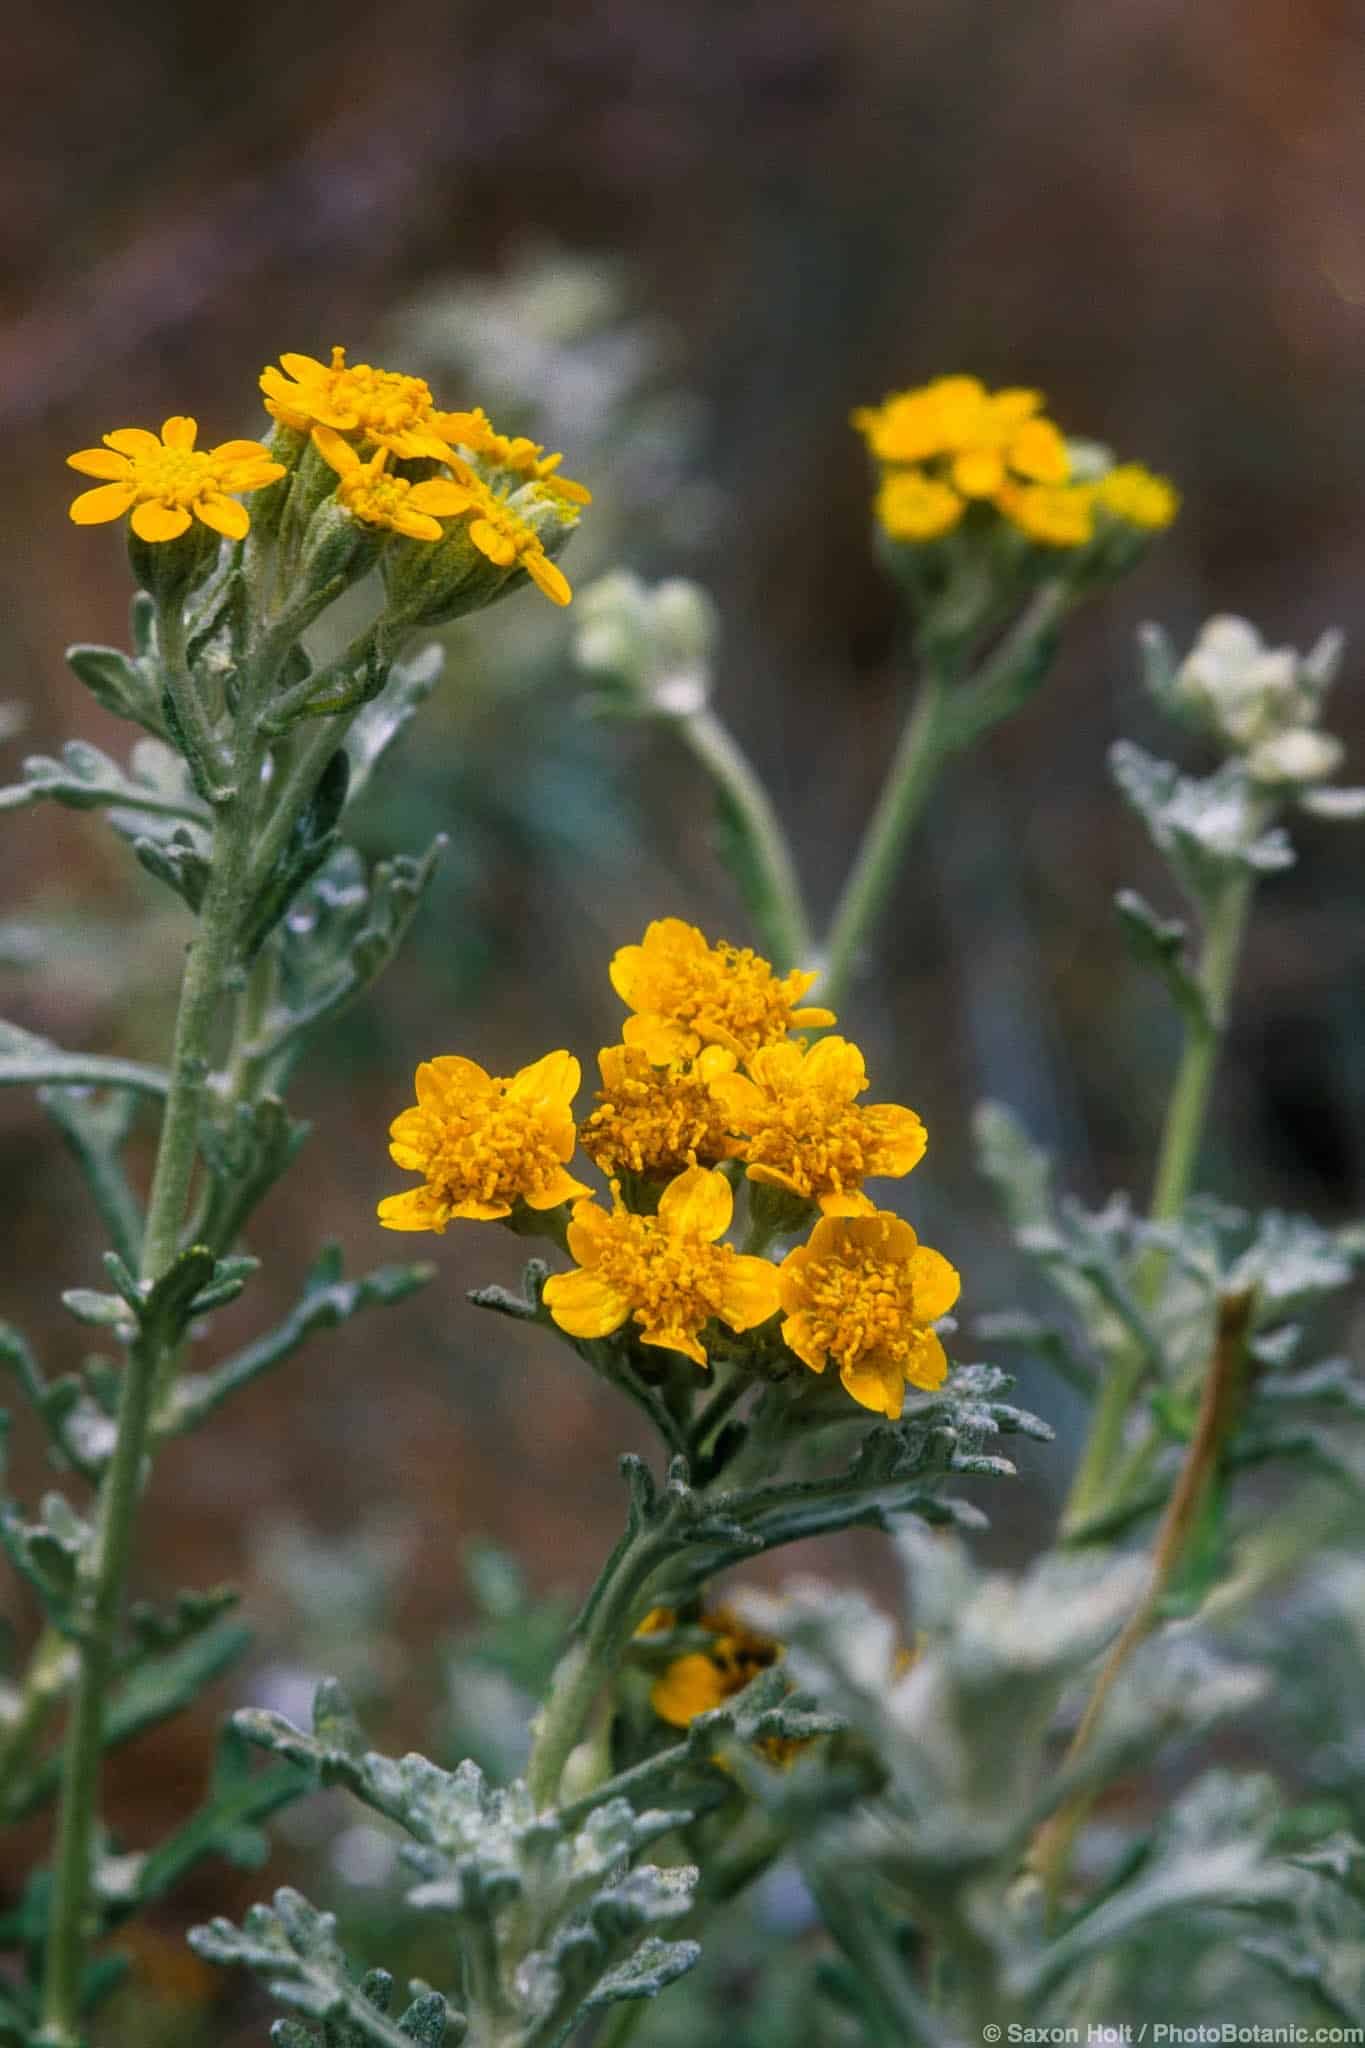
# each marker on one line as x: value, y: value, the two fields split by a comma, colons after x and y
x: 1218, y: 1412
x: 101, y: 1599
x: 1177, y: 1158
x: 769, y: 879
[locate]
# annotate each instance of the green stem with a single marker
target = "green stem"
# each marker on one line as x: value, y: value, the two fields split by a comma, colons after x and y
x: 210, y: 958
x: 913, y: 772
x: 768, y: 873
x: 1176, y: 1161
x: 50, y: 1669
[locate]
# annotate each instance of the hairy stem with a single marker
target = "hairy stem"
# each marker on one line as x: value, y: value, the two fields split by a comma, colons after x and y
x: 1218, y: 1412
x: 1177, y: 1158
x: 767, y: 875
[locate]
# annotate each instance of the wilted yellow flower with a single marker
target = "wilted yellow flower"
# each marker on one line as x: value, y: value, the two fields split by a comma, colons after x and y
x: 382, y: 407
x: 1056, y: 515
x: 804, y: 1129
x: 369, y: 493
x: 484, y: 1144
x: 687, y: 993
x: 167, y: 482
x: 656, y: 1120
x: 525, y: 459
x: 667, y: 1273
x: 702, y: 1679
x: 913, y: 506
x: 863, y: 1292
x: 1132, y: 493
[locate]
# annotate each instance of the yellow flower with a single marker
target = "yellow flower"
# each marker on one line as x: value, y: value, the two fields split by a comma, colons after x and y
x: 695, y: 1683
x: 1136, y: 496
x: 687, y: 994
x: 1055, y: 515
x: 525, y: 459
x: 913, y: 506
x: 804, y: 1129
x: 483, y: 1144
x: 655, y: 1120
x: 369, y: 493
x: 167, y: 482
x: 983, y: 436
x: 500, y: 533
x: 667, y: 1273
x: 379, y: 406
x: 863, y: 1292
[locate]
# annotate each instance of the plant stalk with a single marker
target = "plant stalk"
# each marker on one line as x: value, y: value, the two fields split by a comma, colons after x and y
x: 769, y: 880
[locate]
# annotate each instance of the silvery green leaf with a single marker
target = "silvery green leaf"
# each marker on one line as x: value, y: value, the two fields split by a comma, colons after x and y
x: 382, y: 720
x: 1343, y: 806
x: 1209, y: 829
x: 1159, y: 943
x: 129, y: 688
x: 155, y: 788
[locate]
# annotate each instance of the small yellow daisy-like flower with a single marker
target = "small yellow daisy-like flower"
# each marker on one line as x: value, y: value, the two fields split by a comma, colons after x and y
x: 913, y: 506
x: 702, y: 1679
x: 805, y: 1130
x: 166, y: 482
x: 370, y: 494
x: 667, y: 1273
x: 863, y: 1292
x: 391, y: 411
x: 524, y: 458
x: 983, y: 437
x: 511, y: 542
x: 656, y: 1120
x: 1055, y: 515
x: 1132, y: 493
x: 687, y: 993
x: 483, y: 1144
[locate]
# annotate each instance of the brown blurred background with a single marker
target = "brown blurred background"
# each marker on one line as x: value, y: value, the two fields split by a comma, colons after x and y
x: 715, y: 227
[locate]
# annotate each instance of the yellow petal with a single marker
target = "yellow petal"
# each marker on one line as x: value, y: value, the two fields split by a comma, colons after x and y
x: 585, y: 1306
x: 549, y: 580
x: 133, y: 441
x: 1039, y: 452
x: 412, y: 1158
x: 412, y: 1210
x: 224, y: 515
x: 242, y: 451
x: 935, y: 1283
x: 155, y: 521
x: 99, y: 462
x: 110, y: 501
x: 778, y: 1068
x: 848, y: 1202
x: 590, y: 1228
x: 660, y: 1039
x: 697, y: 1204
x: 900, y: 1140
x: 837, y: 1066
x: 624, y: 972
x: 475, y: 1211
x: 438, y: 1079
x: 877, y: 1383
x: 749, y: 1292
x: 415, y: 525
x: 676, y: 1339
x: 179, y: 431
x: 775, y: 1177
x: 336, y: 453
x: 879, y: 1233
x: 928, y: 1364
x: 713, y: 1064
x: 491, y: 542
x: 556, y: 1188
x: 302, y: 367
x: 818, y: 1020
x: 555, y: 1078
x: 441, y: 498
x: 799, y: 1334
x: 979, y: 472
x: 745, y: 1105
x: 691, y: 1685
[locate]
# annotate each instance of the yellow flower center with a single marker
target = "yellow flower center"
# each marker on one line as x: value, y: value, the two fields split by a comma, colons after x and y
x: 818, y: 1143
x: 378, y: 498
x: 859, y: 1303
x: 674, y: 1282
x: 175, y: 476
x: 500, y: 1152
x: 730, y: 988
x: 654, y: 1121
x: 378, y: 403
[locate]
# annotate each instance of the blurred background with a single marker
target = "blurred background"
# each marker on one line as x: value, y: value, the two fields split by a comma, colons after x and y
x: 678, y: 242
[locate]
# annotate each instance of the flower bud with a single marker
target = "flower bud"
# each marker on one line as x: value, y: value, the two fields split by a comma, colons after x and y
x: 651, y: 648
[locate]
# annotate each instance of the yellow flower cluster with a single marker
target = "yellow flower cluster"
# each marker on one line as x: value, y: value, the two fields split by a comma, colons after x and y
x: 707, y: 1075
x: 362, y: 421
x: 952, y: 444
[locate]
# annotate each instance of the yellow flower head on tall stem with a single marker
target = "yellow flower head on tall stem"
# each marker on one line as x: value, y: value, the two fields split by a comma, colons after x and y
x: 803, y: 1128
x: 379, y: 407
x: 1133, y: 494
x: 522, y: 458
x: 482, y: 1144
x: 656, y: 1120
x: 687, y: 993
x: 982, y: 436
x: 669, y: 1274
x: 370, y: 494
x: 166, y: 482
x: 862, y: 1293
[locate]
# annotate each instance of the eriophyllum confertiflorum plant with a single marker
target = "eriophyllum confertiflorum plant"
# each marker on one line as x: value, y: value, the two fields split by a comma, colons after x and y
x: 723, y: 1246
